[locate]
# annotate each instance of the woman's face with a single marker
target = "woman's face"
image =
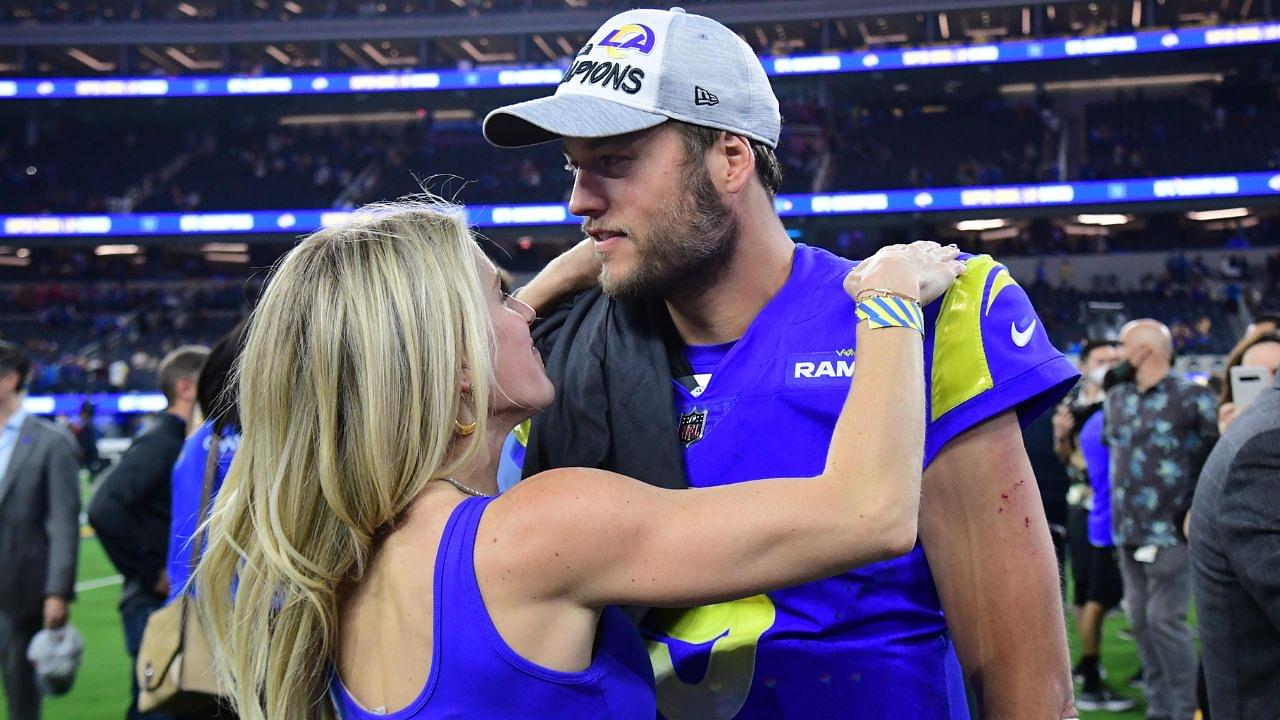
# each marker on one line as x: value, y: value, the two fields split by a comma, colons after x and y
x: 1264, y: 354
x: 521, y: 384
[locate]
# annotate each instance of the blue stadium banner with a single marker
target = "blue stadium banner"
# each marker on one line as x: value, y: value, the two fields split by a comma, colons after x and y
x: 952, y: 199
x: 104, y: 403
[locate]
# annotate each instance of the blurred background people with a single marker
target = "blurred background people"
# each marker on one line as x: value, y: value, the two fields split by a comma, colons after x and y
x: 1159, y: 428
x: 39, y: 531
x: 130, y: 509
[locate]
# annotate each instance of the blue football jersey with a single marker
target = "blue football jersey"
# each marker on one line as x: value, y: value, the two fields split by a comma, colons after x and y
x: 871, y: 643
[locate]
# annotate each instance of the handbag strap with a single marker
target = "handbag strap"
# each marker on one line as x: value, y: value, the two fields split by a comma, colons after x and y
x: 206, y: 491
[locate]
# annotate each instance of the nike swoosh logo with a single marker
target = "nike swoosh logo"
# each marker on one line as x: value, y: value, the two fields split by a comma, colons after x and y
x: 1021, y: 337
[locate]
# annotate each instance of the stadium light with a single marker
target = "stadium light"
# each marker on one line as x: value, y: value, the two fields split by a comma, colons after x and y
x: 352, y: 118
x: 981, y: 224
x: 105, y: 250
x: 228, y: 258
x: 225, y: 248
x: 1105, y: 219
x: 1224, y: 214
x: 1118, y: 83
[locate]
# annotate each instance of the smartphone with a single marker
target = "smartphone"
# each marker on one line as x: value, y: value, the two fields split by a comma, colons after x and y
x: 1246, y: 382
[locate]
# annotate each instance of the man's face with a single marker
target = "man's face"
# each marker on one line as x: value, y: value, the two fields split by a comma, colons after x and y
x: 659, y: 224
x: 1135, y: 349
x: 8, y: 385
x: 1099, y: 361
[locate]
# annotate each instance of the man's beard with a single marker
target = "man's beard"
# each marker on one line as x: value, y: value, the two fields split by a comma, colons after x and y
x: 686, y: 248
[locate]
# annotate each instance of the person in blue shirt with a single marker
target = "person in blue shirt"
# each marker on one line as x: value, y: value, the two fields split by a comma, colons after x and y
x: 669, y: 125
x: 217, y: 399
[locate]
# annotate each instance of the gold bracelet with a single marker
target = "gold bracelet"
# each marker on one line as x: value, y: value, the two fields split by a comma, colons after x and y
x: 883, y: 292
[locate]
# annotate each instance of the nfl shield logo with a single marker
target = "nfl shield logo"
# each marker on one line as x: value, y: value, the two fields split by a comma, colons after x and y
x: 692, y: 424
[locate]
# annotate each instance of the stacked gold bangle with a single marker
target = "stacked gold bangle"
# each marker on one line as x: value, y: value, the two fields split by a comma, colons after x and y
x: 883, y: 308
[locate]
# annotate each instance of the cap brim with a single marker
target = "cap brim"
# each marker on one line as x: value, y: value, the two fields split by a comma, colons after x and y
x: 559, y: 116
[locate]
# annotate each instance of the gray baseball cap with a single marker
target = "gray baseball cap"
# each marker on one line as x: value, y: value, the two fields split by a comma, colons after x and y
x: 642, y: 68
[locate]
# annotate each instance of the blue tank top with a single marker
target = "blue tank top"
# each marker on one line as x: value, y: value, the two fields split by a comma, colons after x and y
x: 476, y: 675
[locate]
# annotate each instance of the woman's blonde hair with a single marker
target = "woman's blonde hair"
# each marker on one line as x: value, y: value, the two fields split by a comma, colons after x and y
x: 349, y: 386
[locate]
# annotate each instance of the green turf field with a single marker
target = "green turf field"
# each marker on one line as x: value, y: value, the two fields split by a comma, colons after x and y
x: 102, y: 687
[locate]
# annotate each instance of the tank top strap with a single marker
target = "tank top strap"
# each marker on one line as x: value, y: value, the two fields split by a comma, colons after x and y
x: 461, y: 614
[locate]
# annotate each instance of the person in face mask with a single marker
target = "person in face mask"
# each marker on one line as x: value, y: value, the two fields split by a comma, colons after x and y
x: 1159, y: 428
x: 1094, y: 569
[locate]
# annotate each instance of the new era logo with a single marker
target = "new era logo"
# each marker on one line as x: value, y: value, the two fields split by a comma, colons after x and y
x: 702, y: 97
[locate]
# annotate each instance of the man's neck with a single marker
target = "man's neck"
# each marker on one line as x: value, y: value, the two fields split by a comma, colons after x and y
x: 182, y: 412
x: 1150, y: 375
x: 721, y: 313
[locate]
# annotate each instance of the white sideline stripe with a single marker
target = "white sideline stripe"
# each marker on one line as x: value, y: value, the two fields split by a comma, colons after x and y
x: 99, y: 583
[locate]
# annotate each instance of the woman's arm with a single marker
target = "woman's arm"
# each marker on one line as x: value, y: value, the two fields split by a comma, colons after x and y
x: 598, y: 538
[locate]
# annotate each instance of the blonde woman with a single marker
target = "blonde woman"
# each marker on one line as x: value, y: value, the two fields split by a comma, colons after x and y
x: 374, y: 574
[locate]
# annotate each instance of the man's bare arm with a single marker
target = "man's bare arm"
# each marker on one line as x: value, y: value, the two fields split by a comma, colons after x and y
x: 984, y: 532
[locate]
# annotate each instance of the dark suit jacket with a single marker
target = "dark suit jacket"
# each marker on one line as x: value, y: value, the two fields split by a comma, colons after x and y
x: 1235, y: 556
x: 39, y: 519
x: 130, y: 510
x: 608, y: 362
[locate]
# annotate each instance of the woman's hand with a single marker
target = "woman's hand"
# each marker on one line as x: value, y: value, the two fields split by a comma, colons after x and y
x: 922, y: 270
x: 1227, y: 414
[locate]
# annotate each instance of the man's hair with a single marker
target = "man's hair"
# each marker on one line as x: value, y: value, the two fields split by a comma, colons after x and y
x: 1094, y: 344
x: 698, y: 139
x: 185, y: 362
x: 12, y: 359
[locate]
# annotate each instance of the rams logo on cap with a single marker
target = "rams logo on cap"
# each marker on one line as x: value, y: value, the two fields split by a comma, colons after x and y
x: 632, y: 37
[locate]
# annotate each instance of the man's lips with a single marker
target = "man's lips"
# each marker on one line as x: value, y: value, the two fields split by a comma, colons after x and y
x: 606, y: 239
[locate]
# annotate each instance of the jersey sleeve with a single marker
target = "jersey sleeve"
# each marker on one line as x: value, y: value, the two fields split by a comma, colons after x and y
x: 988, y: 353
x: 511, y: 461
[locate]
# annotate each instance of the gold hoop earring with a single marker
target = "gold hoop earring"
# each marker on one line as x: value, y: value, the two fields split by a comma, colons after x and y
x: 465, y: 430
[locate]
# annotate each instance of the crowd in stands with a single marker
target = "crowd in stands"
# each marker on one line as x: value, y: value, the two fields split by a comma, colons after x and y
x: 828, y: 145
x: 86, y: 338
x: 107, y: 337
x: 255, y: 163
x: 986, y: 142
x: 1234, y: 130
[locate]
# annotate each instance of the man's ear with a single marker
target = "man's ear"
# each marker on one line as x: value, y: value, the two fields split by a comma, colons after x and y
x: 740, y: 162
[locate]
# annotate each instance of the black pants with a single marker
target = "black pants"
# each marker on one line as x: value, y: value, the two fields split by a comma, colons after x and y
x: 20, y: 690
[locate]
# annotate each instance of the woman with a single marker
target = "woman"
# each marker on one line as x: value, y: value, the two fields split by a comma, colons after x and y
x: 383, y: 369
x: 1261, y: 349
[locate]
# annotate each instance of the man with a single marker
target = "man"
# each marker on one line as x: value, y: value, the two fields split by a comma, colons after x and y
x: 1078, y: 441
x: 669, y: 124
x: 39, y: 531
x: 1159, y: 429
x: 1235, y: 557
x: 130, y: 511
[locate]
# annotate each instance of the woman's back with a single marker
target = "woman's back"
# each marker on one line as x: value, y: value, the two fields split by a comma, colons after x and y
x: 473, y: 672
